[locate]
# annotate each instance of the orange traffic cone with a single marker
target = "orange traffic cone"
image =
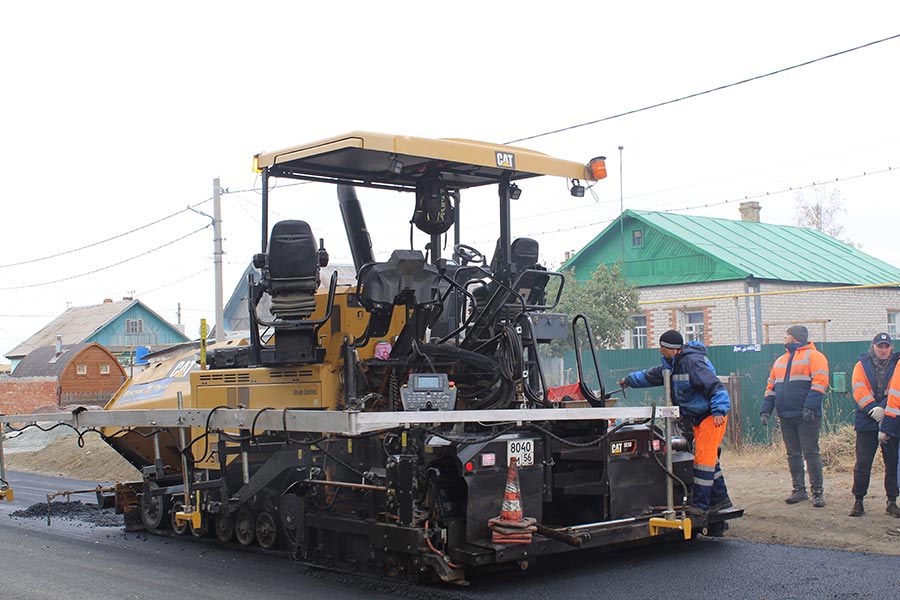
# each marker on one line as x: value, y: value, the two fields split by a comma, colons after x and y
x: 511, y: 527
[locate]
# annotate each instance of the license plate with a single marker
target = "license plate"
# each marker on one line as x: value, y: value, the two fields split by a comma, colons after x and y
x: 523, y: 450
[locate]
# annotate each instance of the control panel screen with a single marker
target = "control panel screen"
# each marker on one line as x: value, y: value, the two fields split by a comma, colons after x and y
x: 427, y: 382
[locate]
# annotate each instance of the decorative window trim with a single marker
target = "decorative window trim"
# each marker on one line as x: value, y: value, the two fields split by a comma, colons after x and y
x: 134, y: 326
x: 694, y: 330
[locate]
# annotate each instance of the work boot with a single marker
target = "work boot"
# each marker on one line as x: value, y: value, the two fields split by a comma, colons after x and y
x: 818, y: 498
x: 797, y: 496
x: 721, y: 505
x: 857, y: 510
x: 696, y: 511
x: 892, y: 508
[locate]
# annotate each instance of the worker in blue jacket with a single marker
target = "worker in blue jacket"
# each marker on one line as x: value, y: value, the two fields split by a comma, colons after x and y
x: 697, y: 391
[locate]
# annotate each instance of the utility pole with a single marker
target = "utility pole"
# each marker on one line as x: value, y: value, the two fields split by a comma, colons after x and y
x: 621, y: 210
x: 217, y: 259
x: 217, y: 255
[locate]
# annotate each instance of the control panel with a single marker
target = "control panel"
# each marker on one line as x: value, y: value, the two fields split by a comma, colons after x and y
x: 428, y: 391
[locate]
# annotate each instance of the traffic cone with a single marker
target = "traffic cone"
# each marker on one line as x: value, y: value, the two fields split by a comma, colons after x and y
x: 511, y: 527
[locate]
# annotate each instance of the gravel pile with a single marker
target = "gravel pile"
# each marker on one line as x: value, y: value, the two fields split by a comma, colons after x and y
x: 32, y: 439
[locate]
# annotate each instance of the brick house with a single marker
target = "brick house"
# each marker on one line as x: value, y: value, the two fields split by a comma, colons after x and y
x: 728, y: 282
x: 61, y: 375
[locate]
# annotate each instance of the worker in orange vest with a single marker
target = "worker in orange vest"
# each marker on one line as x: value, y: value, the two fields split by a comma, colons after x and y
x: 797, y: 383
x: 871, y: 376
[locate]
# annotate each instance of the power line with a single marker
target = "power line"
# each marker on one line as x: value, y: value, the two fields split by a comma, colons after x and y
x: 789, y: 189
x: 91, y: 245
x: 793, y: 188
x: 33, y: 285
x: 560, y: 130
x: 709, y: 91
x: 171, y: 283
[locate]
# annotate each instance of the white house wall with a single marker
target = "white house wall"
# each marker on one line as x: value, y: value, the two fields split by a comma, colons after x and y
x: 834, y: 315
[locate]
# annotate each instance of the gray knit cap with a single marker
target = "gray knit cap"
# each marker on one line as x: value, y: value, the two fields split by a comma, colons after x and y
x: 799, y: 333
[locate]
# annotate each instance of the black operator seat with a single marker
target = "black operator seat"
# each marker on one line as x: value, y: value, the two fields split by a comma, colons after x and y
x: 291, y: 274
x: 523, y: 256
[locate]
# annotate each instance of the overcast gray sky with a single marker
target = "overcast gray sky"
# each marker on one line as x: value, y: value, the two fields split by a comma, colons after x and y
x: 118, y: 114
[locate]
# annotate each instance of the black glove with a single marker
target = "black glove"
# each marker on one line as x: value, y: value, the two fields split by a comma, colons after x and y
x: 809, y: 415
x: 764, y: 419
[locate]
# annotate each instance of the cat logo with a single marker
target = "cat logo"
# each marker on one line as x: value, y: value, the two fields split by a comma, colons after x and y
x: 506, y: 160
x: 623, y: 447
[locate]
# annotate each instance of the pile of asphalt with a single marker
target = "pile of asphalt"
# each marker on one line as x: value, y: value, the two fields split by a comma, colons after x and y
x: 73, y: 510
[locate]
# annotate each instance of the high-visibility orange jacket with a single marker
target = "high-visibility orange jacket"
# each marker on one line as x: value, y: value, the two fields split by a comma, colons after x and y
x: 890, y: 424
x: 798, y: 380
x: 863, y: 390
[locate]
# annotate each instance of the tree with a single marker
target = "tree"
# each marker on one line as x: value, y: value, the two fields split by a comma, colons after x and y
x: 822, y: 213
x: 606, y: 299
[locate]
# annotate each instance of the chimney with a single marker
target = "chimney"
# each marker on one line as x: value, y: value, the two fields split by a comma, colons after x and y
x: 568, y: 255
x: 107, y: 301
x: 58, y: 344
x: 750, y: 211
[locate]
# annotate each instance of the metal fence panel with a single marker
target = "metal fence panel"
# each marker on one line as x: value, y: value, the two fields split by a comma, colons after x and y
x: 751, y: 369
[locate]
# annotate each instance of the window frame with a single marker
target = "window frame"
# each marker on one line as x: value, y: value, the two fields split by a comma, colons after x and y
x: 893, y: 321
x: 690, y: 328
x: 638, y: 340
x: 134, y: 326
x: 637, y: 238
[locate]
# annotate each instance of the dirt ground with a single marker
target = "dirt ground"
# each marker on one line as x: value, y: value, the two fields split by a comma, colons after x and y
x: 757, y: 478
x: 758, y: 481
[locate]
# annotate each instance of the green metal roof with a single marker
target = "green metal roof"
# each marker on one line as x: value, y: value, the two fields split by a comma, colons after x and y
x: 679, y: 249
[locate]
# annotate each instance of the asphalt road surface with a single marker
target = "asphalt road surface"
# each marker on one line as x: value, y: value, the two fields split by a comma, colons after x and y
x: 73, y: 559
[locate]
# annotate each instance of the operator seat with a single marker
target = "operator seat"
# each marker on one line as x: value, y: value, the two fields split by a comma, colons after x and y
x: 291, y: 270
x: 290, y: 276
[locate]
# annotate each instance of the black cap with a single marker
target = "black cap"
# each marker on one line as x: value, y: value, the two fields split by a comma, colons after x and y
x: 671, y: 339
x: 882, y: 338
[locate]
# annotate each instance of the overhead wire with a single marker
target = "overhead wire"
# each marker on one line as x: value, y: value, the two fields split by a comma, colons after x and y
x: 704, y: 92
x: 100, y: 242
x: 116, y: 264
x: 544, y: 134
x: 793, y: 188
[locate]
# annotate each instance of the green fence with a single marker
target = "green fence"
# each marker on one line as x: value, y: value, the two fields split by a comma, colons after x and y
x: 751, y: 369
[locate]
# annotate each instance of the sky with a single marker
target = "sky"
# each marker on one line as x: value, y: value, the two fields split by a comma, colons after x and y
x: 115, y: 117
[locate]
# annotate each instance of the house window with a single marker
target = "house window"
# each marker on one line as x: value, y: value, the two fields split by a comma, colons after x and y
x: 81, y: 369
x: 104, y: 369
x: 637, y: 238
x: 134, y: 326
x: 892, y: 323
x: 693, y: 326
x: 638, y: 333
